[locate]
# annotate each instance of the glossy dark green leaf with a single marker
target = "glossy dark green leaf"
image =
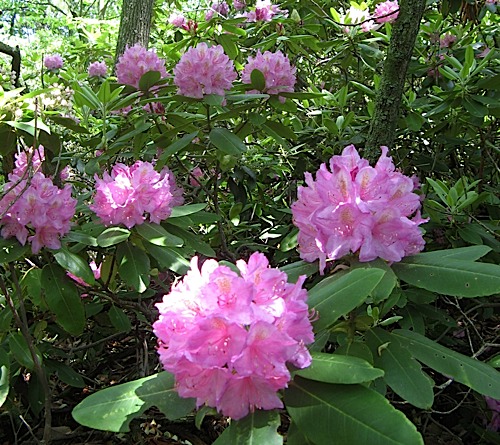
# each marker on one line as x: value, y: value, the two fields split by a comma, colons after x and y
x: 133, y: 266
x: 21, y: 352
x: 119, y: 319
x: 258, y: 80
x: 4, y: 376
x: 298, y: 268
x: 156, y: 234
x: 148, y: 79
x: 227, y: 142
x: 168, y: 257
x: 112, y: 236
x: 76, y: 265
x: 11, y: 250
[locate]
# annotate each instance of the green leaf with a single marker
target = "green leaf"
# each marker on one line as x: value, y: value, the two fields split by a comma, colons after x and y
x: 133, y: 266
x: 258, y: 80
x: 11, y: 250
x: 343, y: 369
x: 233, y: 29
x: 4, y: 376
x: 192, y: 240
x: 230, y: 47
x: 339, y: 294
x: 477, y: 375
x: 295, y: 437
x: 388, y: 282
x: 185, y: 210
x: 282, y: 130
x: 177, y: 146
x: 119, y: 319
x: 347, y: 415
x: 451, y: 277
x: 113, y: 408
x: 66, y: 374
x: 148, y: 79
x: 168, y: 257
x: 295, y: 270
x: 156, y: 234
x: 470, y: 253
x: 81, y: 237
x: 19, y: 349
x: 402, y: 372
x: 257, y: 428
x: 227, y: 142
x: 112, y: 236
x: 76, y: 265
x: 63, y: 299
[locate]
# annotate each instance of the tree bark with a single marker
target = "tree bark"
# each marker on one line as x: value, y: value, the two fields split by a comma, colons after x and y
x: 387, y: 103
x: 15, y: 53
x: 135, y: 24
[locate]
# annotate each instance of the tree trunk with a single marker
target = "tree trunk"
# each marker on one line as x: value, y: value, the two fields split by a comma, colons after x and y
x: 385, y: 118
x: 135, y: 24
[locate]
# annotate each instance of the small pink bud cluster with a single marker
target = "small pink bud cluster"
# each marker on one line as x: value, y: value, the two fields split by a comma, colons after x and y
x: 264, y: 11
x: 34, y: 204
x: 228, y: 337
x: 129, y: 193
x: 447, y: 40
x: 97, y: 69
x: 278, y: 73
x: 204, y: 70
x: 135, y: 62
x: 53, y: 62
x: 355, y: 207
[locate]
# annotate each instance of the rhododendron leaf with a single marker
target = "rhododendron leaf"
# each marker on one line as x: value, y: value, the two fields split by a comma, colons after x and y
x: 65, y: 373
x: 83, y: 238
x: 282, y: 130
x: 295, y: 437
x: 113, y: 408
x: 233, y: 29
x: 447, y: 276
x: 156, y: 234
x: 258, y: 81
x: 4, y: 376
x: 177, y: 146
x: 168, y: 257
x: 230, y: 48
x: 257, y: 428
x: 337, y: 295
x: 469, y: 253
x: 344, y: 369
x: 295, y: 270
x: 76, y: 265
x: 68, y: 123
x: 133, y: 266
x: 20, y: 350
x: 112, y: 236
x: 227, y: 142
x: 347, y: 414
x: 387, y: 283
x: 479, y: 376
x: 148, y: 79
x: 402, y: 372
x: 119, y: 319
x: 11, y: 250
x: 245, y: 97
x: 192, y: 240
x: 63, y: 299
x: 188, y: 209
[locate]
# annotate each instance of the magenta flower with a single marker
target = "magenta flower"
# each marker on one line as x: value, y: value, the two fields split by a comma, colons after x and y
x: 228, y: 337
x: 97, y: 69
x: 264, y: 11
x: 383, y: 11
x: 132, y: 194
x: 221, y: 8
x: 53, y: 62
x: 204, y: 70
x: 278, y: 73
x: 239, y: 4
x: 135, y: 62
x: 353, y: 207
x: 34, y: 209
x: 177, y: 20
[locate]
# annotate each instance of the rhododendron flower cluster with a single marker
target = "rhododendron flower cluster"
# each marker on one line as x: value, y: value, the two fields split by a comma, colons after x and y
x: 204, y: 70
x: 135, y: 62
x: 218, y: 7
x: 228, y: 337
x: 278, y: 73
x: 354, y: 207
x: 131, y: 194
x: 383, y: 11
x: 264, y: 11
x: 447, y: 40
x: 53, y: 62
x: 177, y: 20
x: 33, y: 204
x: 239, y: 4
x: 97, y: 69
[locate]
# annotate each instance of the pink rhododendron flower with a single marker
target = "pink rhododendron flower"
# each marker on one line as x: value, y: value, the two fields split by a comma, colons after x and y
x: 177, y: 20
x: 53, y: 62
x: 204, y: 70
x: 383, y: 11
x: 447, y: 40
x: 484, y: 53
x: 195, y: 173
x: 278, y: 73
x: 34, y: 209
x: 264, y: 11
x: 129, y: 195
x: 239, y: 4
x: 353, y: 207
x: 227, y: 337
x: 135, y: 62
x: 97, y: 69
x: 494, y: 406
x: 218, y: 7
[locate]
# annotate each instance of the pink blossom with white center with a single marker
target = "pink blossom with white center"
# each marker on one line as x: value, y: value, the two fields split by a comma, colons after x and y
x: 264, y: 11
x: 53, y: 62
x: 97, y: 69
x: 227, y: 337
x: 135, y: 62
x: 383, y: 11
x: 355, y: 208
x: 177, y: 20
x: 204, y: 70
x: 278, y: 73
x: 130, y: 195
x: 447, y: 40
x: 36, y: 210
